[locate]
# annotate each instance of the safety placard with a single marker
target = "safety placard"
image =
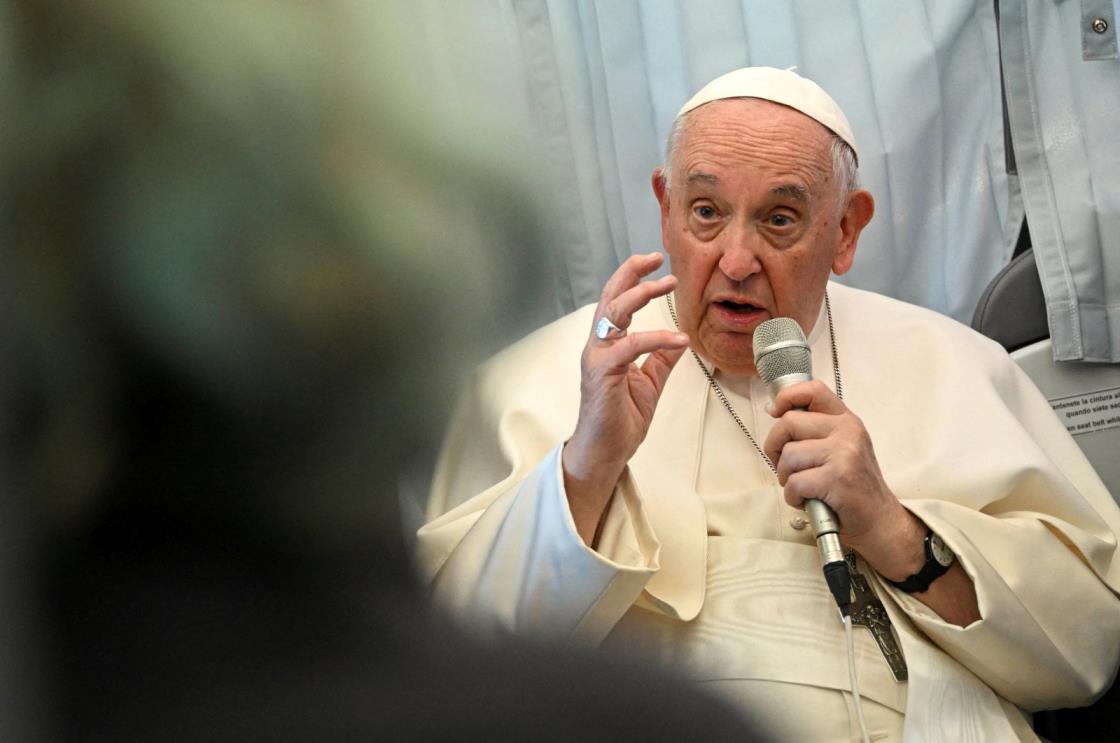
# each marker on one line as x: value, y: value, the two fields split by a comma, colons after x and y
x: 1090, y: 411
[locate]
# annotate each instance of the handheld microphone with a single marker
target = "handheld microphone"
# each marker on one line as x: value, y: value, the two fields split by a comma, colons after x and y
x: 782, y: 357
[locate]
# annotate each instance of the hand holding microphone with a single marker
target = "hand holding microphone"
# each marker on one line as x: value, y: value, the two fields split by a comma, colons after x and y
x: 782, y: 357
x: 824, y: 458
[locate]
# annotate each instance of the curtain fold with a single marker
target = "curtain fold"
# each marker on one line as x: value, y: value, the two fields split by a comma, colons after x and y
x: 602, y: 81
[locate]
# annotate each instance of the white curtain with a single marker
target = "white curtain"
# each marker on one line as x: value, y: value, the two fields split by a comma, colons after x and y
x: 594, y: 87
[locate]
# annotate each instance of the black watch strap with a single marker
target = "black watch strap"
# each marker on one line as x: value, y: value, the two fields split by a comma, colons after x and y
x: 934, y: 568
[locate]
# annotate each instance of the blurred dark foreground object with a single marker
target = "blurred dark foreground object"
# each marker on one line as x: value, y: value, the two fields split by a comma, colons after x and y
x: 240, y: 279
x: 229, y: 643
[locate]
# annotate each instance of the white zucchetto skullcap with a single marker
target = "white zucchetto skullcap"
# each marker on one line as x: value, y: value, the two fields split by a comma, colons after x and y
x: 780, y: 86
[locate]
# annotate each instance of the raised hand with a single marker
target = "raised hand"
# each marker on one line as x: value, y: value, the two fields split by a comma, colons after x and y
x: 617, y: 396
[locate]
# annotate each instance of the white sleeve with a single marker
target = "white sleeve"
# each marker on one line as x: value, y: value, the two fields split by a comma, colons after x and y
x: 510, y: 559
x: 1049, y: 633
x: 995, y: 473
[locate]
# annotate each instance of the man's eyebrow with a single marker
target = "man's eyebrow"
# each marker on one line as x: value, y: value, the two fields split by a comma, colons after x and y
x: 791, y: 191
x: 699, y: 176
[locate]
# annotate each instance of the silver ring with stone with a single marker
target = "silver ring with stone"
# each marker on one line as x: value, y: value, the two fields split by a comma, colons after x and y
x: 605, y: 329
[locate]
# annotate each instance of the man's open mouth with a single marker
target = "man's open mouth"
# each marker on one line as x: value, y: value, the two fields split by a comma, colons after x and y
x: 737, y: 307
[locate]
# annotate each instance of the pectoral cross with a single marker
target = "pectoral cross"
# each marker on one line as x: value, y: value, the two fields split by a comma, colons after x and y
x: 868, y: 611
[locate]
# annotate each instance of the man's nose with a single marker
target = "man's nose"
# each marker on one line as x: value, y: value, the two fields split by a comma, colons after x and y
x: 740, y: 254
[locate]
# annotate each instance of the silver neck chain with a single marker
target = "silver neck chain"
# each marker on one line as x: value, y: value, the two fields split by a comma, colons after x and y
x: 727, y: 403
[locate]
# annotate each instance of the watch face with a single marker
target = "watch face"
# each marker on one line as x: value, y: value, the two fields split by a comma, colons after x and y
x: 941, y: 551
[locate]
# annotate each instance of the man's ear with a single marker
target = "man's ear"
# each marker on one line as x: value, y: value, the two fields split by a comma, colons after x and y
x: 661, y: 191
x: 858, y: 212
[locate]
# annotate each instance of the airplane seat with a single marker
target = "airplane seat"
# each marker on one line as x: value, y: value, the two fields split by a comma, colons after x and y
x: 1012, y: 311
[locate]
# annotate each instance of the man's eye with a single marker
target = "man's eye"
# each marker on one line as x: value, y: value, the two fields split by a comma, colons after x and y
x: 704, y: 212
x: 780, y: 220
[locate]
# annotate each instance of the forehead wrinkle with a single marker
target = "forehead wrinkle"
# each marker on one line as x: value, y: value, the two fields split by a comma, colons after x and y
x: 760, y: 118
x: 756, y: 133
x: 737, y: 148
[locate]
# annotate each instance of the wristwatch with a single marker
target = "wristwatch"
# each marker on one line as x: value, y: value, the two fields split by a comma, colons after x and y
x: 939, y: 558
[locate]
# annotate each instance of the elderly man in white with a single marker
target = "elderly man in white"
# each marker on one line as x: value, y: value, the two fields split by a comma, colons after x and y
x: 621, y: 476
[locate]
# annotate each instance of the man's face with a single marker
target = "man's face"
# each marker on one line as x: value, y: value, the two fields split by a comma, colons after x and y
x: 752, y: 224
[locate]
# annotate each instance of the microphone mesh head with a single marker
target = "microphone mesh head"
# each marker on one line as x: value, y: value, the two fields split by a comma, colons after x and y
x: 791, y: 359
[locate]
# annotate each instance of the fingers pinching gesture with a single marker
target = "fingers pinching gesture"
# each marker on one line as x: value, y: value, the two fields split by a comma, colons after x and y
x: 617, y: 396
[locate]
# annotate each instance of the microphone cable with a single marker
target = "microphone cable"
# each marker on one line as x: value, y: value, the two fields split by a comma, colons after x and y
x: 782, y: 357
x: 856, y: 699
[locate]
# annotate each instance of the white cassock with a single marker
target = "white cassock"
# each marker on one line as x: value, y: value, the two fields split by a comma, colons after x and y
x: 701, y: 564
